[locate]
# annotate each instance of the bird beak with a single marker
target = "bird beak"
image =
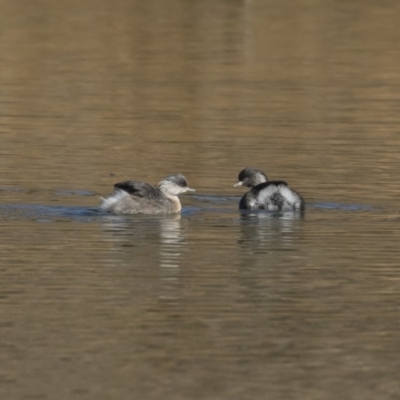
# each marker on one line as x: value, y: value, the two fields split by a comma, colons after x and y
x: 188, y: 189
x: 240, y: 183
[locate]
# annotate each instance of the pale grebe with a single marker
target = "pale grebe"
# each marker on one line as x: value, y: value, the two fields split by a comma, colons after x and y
x: 132, y: 197
x: 267, y: 195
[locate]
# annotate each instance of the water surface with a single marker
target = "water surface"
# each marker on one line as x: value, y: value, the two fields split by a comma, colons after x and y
x: 211, y: 304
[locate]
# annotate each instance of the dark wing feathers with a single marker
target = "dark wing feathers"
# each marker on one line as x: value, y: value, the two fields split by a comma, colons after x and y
x: 263, y: 185
x: 135, y: 188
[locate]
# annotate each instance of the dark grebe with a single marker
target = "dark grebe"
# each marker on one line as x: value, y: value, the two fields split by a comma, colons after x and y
x: 267, y: 195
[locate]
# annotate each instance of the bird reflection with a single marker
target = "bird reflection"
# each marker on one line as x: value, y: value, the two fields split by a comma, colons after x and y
x: 140, y: 243
x: 263, y: 231
x: 171, y: 241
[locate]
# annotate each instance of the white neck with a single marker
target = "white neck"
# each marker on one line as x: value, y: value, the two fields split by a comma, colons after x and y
x: 176, y: 204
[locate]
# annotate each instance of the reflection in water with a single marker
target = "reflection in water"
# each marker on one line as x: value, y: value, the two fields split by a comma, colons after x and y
x: 131, y: 238
x: 261, y: 231
x: 268, y: 250
x: 171, y: 241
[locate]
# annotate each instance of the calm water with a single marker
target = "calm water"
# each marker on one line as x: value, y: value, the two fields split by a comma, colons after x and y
x: 210, y: 304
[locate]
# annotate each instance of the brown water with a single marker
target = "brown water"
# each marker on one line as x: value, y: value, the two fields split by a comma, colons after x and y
x: 211, y: 304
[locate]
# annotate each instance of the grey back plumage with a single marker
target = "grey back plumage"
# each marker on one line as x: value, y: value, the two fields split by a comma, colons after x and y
x: 136, y: 188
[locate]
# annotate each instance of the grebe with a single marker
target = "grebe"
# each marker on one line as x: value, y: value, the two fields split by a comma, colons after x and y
x: 267, y: 195
x: 132, y: 197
